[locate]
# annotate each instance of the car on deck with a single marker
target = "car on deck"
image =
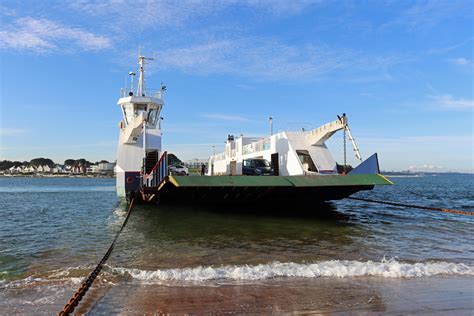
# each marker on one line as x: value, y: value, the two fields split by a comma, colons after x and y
x: 178, y: 170
x: 256, y: 167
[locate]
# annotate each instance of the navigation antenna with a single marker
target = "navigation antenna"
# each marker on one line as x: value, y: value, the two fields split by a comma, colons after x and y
x: 141, y: 78
x: 132, y: 75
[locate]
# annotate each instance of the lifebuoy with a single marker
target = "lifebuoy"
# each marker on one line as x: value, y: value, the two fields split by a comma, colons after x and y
x: 129, y: 179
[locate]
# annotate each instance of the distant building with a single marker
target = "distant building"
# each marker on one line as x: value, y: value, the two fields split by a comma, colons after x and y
x: 29, y: 169
x: 92, y: 169
x: 58, y: 169
x: 17, y: 169
x: 79, y: 169
x: 195, y: 163
x: 106, y: 167
x: 43, y: 169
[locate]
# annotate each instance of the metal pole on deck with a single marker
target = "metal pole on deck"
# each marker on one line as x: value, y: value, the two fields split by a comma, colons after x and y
x: 144, y: 139
x: 213, y: 159
x: 270, y: 119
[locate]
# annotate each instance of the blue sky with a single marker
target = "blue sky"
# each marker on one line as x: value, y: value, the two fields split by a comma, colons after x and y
x: 401, y: 70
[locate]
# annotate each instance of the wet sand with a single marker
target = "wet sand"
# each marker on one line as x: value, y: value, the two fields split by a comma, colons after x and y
x: 441, y: 295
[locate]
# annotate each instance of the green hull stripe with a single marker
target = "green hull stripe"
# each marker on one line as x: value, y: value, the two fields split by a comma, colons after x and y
x: 279, y: 181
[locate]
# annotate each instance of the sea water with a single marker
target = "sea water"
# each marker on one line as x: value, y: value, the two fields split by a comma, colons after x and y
x: 54, y: 230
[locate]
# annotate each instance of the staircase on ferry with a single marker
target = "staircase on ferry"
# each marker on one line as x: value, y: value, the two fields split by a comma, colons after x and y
x: 150, y: 161
x: 155, y: 168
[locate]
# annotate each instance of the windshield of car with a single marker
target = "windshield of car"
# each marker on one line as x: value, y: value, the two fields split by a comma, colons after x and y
x: 261, y: 163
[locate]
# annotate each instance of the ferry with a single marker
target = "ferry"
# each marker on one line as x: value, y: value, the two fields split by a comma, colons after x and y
x: 285, y: 167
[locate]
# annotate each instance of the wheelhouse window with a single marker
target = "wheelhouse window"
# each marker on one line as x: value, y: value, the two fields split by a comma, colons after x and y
x: 128, y: 113
x: 153, y: 117
x: 139, y: 108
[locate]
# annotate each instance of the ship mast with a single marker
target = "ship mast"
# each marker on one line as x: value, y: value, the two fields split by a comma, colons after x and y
x: 141, y: 78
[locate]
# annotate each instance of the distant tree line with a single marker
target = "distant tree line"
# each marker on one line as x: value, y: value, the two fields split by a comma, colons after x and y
x: 75, y: 163
x: 36, y: 162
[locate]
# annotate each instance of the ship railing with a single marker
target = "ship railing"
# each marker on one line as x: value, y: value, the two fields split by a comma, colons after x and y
x: 153, y: 93
x: 257, y: 146
x: 159, y: 172
x: 220, y: 156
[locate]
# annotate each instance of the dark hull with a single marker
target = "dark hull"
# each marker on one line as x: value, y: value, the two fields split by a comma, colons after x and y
x: 267, y: 196
x: 268, y: 191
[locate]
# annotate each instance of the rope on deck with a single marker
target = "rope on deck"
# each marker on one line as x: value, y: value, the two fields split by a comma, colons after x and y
x: 87, y: 283
x: 459, y: 212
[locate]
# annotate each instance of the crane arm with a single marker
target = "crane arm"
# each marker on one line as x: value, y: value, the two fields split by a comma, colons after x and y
x: 321, y: 134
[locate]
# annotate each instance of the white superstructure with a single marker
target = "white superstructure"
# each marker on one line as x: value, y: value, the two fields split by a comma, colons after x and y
x: 140, y: 130
x: 291, y: 153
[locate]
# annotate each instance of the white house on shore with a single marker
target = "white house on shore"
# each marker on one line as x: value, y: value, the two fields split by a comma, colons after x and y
x: 92, y: 169
x: 43, y: 169
x: 106, y: 166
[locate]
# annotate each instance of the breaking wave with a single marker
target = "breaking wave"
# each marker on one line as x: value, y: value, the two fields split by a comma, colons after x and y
x: 333, y: 268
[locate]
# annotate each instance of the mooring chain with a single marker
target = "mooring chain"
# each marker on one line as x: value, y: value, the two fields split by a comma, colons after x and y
x: 417, y: 206
x: 87, y: 283
x: 345, y: 150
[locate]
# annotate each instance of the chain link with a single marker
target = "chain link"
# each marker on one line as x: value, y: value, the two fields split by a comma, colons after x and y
x: 416, y: 206
x: 87, y: 283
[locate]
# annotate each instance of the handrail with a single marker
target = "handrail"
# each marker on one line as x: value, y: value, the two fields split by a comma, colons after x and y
x: 156, y: 165
x: 159, y: 172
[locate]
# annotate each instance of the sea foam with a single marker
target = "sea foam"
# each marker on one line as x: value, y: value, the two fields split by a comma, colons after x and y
x: 333, y: 268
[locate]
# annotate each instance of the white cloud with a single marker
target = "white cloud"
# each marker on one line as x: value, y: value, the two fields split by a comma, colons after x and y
x: 43, y: 35
x: 279, y: 7
x: 428, y: 14
x: 447, y: 101
x: 427, y: 167
x: 461, y: 61
x: 224, y: 117
x: 5, y: 131
x: 270, y: 59
x: 155, y: 13
x: 244, y: 86
x: 417, y: 140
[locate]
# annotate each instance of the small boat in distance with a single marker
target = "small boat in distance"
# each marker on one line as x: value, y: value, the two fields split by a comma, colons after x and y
x: 299, y: 167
